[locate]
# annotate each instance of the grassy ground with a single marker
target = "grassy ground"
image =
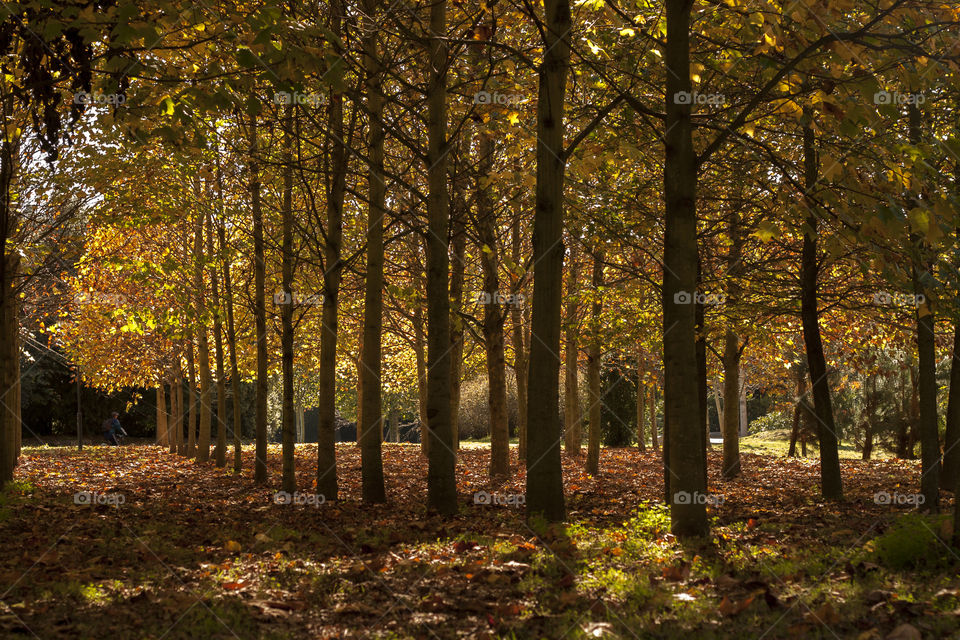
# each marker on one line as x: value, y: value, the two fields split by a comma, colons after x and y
x: 196, y: 552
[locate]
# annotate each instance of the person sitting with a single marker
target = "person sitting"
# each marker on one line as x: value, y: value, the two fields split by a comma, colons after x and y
x: 111, y: 428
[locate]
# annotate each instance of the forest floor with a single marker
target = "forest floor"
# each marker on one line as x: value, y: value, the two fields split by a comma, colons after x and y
x: 136, y: 543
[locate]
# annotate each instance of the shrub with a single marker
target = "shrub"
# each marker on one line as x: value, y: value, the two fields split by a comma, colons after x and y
x: 911, y: 542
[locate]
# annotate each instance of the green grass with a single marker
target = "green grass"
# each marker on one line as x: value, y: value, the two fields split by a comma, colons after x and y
x: 777, y: 443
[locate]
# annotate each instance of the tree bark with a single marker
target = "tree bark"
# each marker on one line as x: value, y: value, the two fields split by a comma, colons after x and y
x: 259, y: 312
x: 493, y: 314
x: 232, y: 344
x: 519, y: 350
x: 288, y: 428
x: 682, y: 434
x: 544, y: 473
x: 641, y: 405
x: 593, y: 367
x: 654, y: 438
x: 162, y: 434
x: 203, y: 342
x: 371, y: 424
x: 871, y: 418
x: 441, y: 461
x: 194, y: 421
x: 928, y: 424
x: 830, y: 480
x: 951, y: 444
x: 327, y: 482
x: 572, y: 428
x: 220, y: 451
x: 457, y: 269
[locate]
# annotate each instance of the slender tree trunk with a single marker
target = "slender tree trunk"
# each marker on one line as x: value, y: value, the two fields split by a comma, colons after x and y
x: 830, y: 481
x: 420, y: 351
x: 441, y: 462
x: 682, y: 433
x: 259, y: 312
x: 288, y: 433
x: 327, y: 484
x: 795, y: 430
x: 871, y: 418
x: 573, y: 437
x: 220, y: 452
x: 544, y: 472
x: 182, y: 416
x: 9, y: 369
x: 641, y: 405
x: 951, y: 445
x: 457, y: 268
x: 731, y: 407
x: 371, y: 425
x: 176, y: 420
x: 493, y: 314
x: 232, y: 344
x: 701, y: 346
x: 593, y: 367
x: 928, y: 425
x: 203, y: 342
x: 161, y: 415
x: 194, y: 421
x: 519, y: 350
x: 654, y: 438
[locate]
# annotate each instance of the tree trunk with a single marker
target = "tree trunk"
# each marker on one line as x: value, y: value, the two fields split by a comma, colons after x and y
x: 458, y: 266
x: 232, y: 344
x: 203, y: 342
x: 9, y: 367
x: 327, y: 484
x: 182, y: 416
x: 441, y: 461
x: 830, y: 481
x: 544, y: 473
x: 259, y: 312
x: 288, y: 429
x: 871, y: 418
x: 220, y: 452
x: 641, y: 405
x: 593, y: 367
x: 493, y: 314
x: 573, y: 437
x: 370, y: 427
x: 162, y: 434
x: 928, y: 425
x: 654, y: 438
x: 420, y: 351
x: 194, y: 421
x: 682, y: 433
x: 731, y: 406
x: 951, y: 445
x: 519, y: 350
